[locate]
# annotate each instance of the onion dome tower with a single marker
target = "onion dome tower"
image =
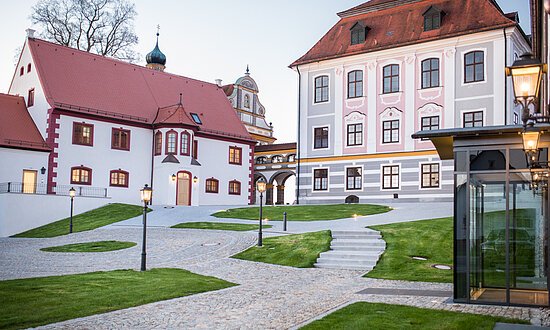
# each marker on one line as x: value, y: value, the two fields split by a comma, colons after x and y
x: 156, y: 60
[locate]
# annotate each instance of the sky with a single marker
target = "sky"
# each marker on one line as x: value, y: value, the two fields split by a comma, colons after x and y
x: 216, y: 39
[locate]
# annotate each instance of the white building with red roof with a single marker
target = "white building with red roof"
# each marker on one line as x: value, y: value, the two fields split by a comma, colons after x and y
x: 110, y: 127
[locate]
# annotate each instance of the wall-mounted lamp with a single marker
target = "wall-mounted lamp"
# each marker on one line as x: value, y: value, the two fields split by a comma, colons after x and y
x: 43, y: 170
x: 195, y: 179
x: 173, y: 177
x: 526, y: 73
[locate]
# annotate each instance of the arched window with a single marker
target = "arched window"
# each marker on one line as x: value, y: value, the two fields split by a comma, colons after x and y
x: 28, y: 68
x: 21, y: 71
x: 234, y: 187
x: 391, y: 78
x: 355, y: 84
x: 430, y: 73
x: 247, y: 101
x: 277, y: 159
x: 212, y: 185
x: 158, y: 143
x: 81, y: 175
x: 118, y: 178
x: 261, y: 160
x: 185, y: 143
x: 474, y: 66
x: 291, y: 158
x: 171, y: 142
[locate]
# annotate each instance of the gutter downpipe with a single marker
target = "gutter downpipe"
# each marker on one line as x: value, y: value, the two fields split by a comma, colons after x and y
x: 153, y: 154
x: 298, y: 142
x: 505, y: 79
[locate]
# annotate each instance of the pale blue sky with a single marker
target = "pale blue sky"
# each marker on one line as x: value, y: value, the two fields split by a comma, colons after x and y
x: 212, y: 39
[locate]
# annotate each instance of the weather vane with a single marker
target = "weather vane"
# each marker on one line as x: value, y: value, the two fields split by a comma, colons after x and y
x: 158, y: 29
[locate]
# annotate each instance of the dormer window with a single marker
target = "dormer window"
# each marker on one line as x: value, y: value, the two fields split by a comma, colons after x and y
x: 432, y: 18
x: 196, y: 118
x: 358, y: 33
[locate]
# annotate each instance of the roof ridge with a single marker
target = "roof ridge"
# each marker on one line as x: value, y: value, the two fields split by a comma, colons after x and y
x: 366, y: 8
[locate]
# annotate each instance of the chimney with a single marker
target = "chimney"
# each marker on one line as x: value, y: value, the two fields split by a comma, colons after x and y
x: 219, y: 82
x: 30, y: 33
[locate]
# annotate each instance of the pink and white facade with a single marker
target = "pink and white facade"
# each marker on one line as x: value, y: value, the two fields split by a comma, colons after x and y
x: 362, y: 99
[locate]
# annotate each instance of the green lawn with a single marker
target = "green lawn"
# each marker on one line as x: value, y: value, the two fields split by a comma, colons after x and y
x: 101, y: 246
x: 93, y: 219
x: 364, y: 315
x: 219, y: 226
x: 304, y: 212
x: 432, y: 239
x: 300, y: 250
x: 38, y: 301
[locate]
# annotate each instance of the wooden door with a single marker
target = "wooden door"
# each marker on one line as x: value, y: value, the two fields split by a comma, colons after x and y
x: 29, y: 181
x: 183, y: 189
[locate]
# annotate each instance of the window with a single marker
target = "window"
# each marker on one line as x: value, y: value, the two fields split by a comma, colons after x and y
x: 28, y: 68
x: 158, y: 143
x: 430, y: 175
x: 516, y: 118
x: 30, y: 98
x: 81, y: 175
x: 432, y: 19
x: 171, y: 142
x: 354, y: 178
x: 247, y: 101
x: 430, y: 73
x: 277, y: 159
x: 234, y: 187
x: 291, y: 158
x: 261, y: 160
x: 428, y: 124
x: 320, y: 179
x: 21, y: 71
x: 185, y: 143
x: 391, y: 78
x: 212, y: 185
x: 195, y: 149
x: 355, y: 84
x: 474, y: 67
x: 118, y: 178
x: 355, y: 134
x: 196, y: 118
x: 390, y: 177
x: 472, y: 119
x: 390, y: 131
x: 358, y: 34
x: 120, y: 139
x: 83, y: 134
x: 235, y: 155
x: 321, y: 89
x: 320, y: 138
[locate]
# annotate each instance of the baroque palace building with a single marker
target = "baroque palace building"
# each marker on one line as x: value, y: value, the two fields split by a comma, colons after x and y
x: 390, y: 68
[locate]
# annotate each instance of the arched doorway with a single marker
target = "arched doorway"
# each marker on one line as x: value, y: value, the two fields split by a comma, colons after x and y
x: 276, y: 195
x: 183, y: 188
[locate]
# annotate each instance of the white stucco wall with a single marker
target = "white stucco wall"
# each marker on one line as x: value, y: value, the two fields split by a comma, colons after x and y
x: 14, y: 161
x: 21, y: 212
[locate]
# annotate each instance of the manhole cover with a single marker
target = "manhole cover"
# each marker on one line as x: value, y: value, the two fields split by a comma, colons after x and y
x: 210, y: 244
x: 168, y: 207
x: 442, y: 267
x: 419, y: 258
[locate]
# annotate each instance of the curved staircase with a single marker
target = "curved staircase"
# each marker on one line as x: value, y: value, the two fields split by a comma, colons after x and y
x: 351, y: 249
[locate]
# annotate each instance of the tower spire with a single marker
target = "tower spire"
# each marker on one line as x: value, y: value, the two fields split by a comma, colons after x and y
x: 156, y: 60
x: 247, y: 70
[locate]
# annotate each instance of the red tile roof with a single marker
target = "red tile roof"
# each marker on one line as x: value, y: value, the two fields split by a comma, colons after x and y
x: 17, y: 129
x: 275, y: 147
x: 85, y: 82
x: 395, y: 23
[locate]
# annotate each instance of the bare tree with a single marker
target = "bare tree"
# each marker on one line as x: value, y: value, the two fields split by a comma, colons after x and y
x: 104, y: 27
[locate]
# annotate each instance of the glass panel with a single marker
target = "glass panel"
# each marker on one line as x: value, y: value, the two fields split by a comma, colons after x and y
x: 487, y: 244
x: 487, y: 160
x: 461, y: 235
x: 527, y: 242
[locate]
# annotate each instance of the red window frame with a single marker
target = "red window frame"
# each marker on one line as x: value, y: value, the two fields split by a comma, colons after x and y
x: 187, y: 144
x: 80, y: 139
x: 117, y: 176
x: 168, y: 134
x: 30, y: 98
x: 28, y: 68
x: 158, y: 143
x: 237, y: 187
x: 119, y: 132
x: 212, y: 185
x: 235, y: 155
x: 80, y: 170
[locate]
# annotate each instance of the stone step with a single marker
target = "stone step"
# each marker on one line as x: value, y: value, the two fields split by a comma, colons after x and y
x: 349, y: 255
x: 340, y: 266
x: 355, y: 232
x: 339, y: 261
x: 356, y: 236
x: 365, y: 248
x: 356, y: 242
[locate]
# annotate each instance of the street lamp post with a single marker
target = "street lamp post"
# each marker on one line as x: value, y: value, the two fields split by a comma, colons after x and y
x: 146, y: 193
x: 261, y: 186
x: 72, y: 193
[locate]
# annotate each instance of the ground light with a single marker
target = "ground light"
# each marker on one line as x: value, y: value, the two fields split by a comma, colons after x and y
x: 146, y: 194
